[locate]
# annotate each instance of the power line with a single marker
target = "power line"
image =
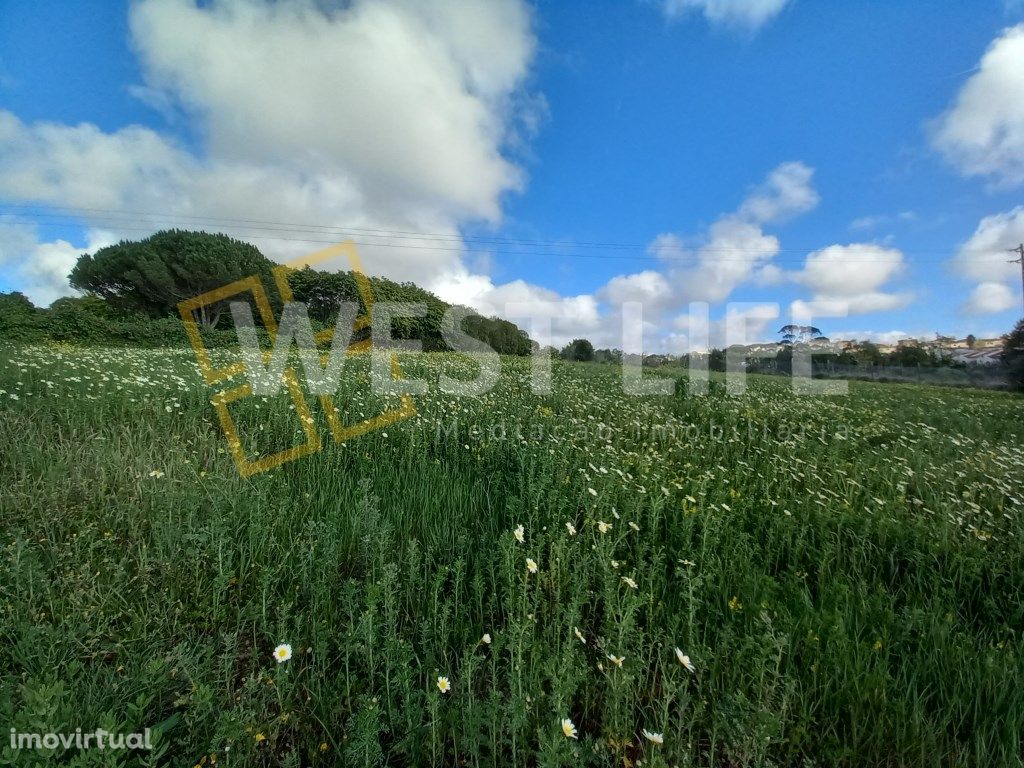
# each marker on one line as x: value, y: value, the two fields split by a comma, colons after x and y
x: 263, y: 225
x: 115, y: 216
x: 128, y: 220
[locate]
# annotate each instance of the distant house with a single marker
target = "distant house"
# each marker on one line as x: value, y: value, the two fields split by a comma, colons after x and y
x: 968, y: 351
x: 769, y: 349
x: 989, y: 343
x: 980, y: 352
x: 823, y: 344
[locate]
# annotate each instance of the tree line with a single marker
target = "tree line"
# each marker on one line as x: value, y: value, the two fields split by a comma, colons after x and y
x: 866, y: 355
x: 131, y: 292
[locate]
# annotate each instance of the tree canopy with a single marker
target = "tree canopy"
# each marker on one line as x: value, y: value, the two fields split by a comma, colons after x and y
x: 151, y: 276
x: 796, y: 334
x: 324, y: 292
x: 579, y: 350
x: 1013, y: 354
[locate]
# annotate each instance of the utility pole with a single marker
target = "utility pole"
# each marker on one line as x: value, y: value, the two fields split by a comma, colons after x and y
x: 1019, y: 250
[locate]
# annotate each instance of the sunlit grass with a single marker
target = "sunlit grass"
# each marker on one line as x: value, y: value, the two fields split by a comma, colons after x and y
x: 843, y: 577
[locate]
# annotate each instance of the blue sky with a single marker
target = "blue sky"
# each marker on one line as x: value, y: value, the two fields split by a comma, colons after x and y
x: 583, y: 157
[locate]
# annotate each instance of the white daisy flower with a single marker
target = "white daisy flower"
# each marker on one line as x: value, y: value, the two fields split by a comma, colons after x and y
x: 654, y: 738
x: 685, y: 660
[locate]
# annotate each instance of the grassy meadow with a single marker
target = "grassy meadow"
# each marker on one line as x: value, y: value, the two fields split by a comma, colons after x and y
x: 844, y: 576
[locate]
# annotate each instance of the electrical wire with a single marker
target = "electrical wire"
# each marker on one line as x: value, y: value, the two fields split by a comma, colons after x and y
x: 130, y: 220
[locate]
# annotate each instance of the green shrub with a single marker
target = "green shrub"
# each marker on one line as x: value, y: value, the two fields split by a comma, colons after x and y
x: 1013, y: 355
x: 19, y: 319
x: 89, y: 320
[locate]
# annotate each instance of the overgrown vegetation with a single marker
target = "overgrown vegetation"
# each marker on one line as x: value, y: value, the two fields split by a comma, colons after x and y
x: 133, y: 289
x: 1013, y: 355
x: 846, y: 580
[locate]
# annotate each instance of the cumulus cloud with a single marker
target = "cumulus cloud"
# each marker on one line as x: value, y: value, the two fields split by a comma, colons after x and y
x: 407, y: 99
x: 865, y: 303
x: 987, y: 298
x: 848, y: 279
x: 785, y: 193
x: 749, y: 15
x: 43, y: 275
x: 733, y: 250
x: 383, y: 115
x: 984, y: 259
x: 850, y: 270
x: 984, y: 256
x: 742, y: 323
x: 769, y: 275
x: 649, y: 287
x: 736, y: 245
x: 137, y: 170
x: 982, y: 133
x: 570, y: 316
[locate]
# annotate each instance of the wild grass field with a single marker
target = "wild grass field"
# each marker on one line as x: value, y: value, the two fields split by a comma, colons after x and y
x: 843, y: 577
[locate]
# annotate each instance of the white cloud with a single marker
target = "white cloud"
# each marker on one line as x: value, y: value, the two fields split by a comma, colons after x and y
x: 984, y: 256
x: 753, y: 318
x: 42, y: 275
x: 571, y: 316
x: 734, y: 249
x: 408, y: 99
x: 382, y: 115
x: 698, y: 332
x: 982, y: 133
x: 987, y: 298
x: 137, y: 169
x: 648, y: 287
x: 748, y: 15
x: 787, y: 192
x: 848, y: 278
x: 736, y: 246
x: 862, y: 304
x: 882, y: 220
x: 770, y: 275
x: 849, y: 270
x: 984, y: 259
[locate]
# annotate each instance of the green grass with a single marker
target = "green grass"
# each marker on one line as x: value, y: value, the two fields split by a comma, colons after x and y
x: 845, y: 574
